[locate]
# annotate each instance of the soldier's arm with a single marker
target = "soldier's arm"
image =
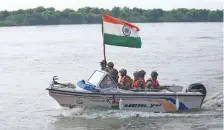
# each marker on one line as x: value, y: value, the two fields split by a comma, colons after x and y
x: 148, y: 84
x: 121, y: 86
x: 107, y: 70
x: 140, y: 84
x: 117, y: 75
x: 127, y: 83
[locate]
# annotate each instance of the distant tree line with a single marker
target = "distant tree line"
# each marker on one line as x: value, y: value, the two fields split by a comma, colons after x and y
x: 88, y: 15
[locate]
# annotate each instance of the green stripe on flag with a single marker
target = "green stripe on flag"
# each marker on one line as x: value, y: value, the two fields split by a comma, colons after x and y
x: 124, y: 41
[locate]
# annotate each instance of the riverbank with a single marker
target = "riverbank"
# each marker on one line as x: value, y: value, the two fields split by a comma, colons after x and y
x: 88, y: 15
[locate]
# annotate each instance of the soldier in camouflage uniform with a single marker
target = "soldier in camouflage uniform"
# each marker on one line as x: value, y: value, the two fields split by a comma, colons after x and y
x: 103, y: 65
x: 138, y: 83
x: 141, y: 78
x: 113, y: 72
x: 125, y: 80
x: 153, y: 82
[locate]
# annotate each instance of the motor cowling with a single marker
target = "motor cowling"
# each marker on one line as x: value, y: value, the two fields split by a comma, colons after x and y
x: 197, y: 87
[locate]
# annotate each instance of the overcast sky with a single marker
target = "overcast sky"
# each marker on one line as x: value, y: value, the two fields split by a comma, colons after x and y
x: 146, y: 4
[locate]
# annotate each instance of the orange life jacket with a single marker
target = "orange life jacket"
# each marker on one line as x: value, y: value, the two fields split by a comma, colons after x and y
x: 122, y: 79
x: 135, y: 83
x: 154, y: 83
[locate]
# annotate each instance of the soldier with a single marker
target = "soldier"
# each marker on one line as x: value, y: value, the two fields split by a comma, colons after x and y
x: 138, y: 83
x: 103, y: 65
x: 152, y: 82
x: 141, y: 78
x: 125, y: 80
x: 113, y: 72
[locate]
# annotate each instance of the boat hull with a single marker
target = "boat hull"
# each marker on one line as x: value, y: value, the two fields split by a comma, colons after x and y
x: 147, y: 102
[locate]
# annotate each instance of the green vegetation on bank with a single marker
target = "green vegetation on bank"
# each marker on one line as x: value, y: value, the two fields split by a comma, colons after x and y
x: 88, y: 15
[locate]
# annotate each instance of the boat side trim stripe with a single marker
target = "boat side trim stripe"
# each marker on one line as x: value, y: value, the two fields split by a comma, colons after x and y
x: 126, y: 94
x: 111, y: 95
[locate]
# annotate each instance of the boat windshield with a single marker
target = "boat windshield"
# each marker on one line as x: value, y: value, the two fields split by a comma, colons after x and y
x: 107, y: 82
x: 96, y: 77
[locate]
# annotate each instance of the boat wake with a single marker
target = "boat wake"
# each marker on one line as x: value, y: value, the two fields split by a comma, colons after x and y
x: 73, y: 111
x: 213, y: 102
x: 97, y: 114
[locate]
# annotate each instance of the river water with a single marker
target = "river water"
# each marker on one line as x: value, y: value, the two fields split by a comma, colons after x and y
x: 182, y: 53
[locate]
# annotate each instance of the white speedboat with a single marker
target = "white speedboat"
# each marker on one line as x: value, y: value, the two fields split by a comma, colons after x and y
x: 101, y: 91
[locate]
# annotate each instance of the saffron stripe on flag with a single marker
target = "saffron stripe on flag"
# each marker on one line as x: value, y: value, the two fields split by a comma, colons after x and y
x: 113, y: 20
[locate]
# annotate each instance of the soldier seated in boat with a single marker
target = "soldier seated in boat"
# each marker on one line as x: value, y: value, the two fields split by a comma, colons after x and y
x: 142, y: 74
x: 125, y: 80
x: 113, y: 72
x: 138, y: 83
x: 153, y: 82
x: 103, y: 65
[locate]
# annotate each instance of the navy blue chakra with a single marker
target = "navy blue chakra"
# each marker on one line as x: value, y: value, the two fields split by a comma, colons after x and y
x: 126, y: 30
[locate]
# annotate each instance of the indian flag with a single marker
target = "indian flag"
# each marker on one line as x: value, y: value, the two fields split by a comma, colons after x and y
x: 118, y: 32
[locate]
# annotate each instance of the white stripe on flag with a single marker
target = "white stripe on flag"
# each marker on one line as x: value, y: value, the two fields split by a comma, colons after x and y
x: 116, y: 29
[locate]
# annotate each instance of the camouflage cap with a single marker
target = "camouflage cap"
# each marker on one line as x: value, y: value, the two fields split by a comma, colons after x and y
x: 142, y: 73
x: 123, y: 71
x: 110, y: 64
x: 136, y: 74
x: 154, y: 74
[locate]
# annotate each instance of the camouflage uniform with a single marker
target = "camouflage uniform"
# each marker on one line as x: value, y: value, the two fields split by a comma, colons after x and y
x: 154, y: 77
x: 113, y: 72
x: 148, y: 84
x: 137, y: 83
x: 127, y: 81
x: 141, y: 84
x: 141, y: 81
x: 103, y: 64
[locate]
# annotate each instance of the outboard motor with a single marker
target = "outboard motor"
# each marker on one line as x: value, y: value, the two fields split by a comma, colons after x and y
x: 197, y: 87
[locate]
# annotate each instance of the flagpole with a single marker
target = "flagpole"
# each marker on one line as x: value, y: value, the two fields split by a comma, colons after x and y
x: 104, y: 52
x: 104, y: 49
